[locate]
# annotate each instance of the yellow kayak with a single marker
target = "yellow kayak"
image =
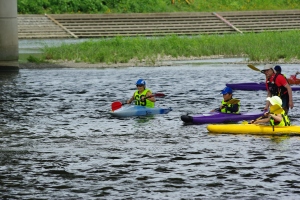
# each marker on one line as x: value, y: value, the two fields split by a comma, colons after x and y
x: 252, y: 129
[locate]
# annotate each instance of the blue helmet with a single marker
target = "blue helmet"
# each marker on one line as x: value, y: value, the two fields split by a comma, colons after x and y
x: 226, y: 90
x: 141, y: 82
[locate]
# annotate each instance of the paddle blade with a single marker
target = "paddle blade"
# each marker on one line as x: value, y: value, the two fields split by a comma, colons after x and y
x: 159, y: 94
x: 116, y: 105
x: 253, y: 68
x: 276, y: 109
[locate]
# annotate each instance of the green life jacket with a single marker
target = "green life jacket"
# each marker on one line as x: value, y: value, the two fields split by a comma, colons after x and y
x: 137, y: 98
x: 226, y: 108
x: 284, y: 122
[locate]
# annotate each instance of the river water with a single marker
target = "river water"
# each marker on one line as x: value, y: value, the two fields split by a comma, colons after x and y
x: 57, y: 140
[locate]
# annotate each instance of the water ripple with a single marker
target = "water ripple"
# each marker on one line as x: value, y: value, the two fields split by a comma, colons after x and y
x: 59, y: 142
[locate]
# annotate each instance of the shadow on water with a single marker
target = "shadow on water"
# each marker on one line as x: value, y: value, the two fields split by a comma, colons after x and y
x: 57, y: 140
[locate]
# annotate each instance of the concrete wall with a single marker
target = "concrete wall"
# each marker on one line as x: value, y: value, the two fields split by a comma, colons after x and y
x: 9, y: 49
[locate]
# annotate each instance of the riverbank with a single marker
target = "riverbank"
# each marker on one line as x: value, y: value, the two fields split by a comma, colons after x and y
x: 162, y: 61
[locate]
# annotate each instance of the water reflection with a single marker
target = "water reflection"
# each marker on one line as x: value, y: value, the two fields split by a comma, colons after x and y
x: 58, y: 141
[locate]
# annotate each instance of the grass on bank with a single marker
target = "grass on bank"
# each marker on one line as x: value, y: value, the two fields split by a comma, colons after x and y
x: 267, y: 46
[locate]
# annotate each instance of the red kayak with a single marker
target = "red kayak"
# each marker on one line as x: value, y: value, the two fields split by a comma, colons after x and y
x: 293, y: 80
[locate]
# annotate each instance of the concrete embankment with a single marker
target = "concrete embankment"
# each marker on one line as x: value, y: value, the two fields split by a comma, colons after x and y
x: 154, y: 24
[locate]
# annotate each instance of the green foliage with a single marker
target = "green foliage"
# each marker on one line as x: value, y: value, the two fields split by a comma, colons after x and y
x: 35, y: 59
x: 149, y: 6
x: 61, y: 6
x: 269, y: 46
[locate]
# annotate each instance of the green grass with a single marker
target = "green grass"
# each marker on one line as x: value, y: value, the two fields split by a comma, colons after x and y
x: 257, y: 47
x: 267, y: 46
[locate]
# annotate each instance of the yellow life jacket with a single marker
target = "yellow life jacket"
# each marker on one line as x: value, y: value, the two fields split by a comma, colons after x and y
x: 284, y: 122
x: 227, y: 105
x: 138, y: 97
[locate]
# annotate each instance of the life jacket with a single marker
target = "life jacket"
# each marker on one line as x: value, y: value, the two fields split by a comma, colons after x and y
x: 284, y: 122
x: 274, y: 89
x: 227, y: 106
x: 138, y: 97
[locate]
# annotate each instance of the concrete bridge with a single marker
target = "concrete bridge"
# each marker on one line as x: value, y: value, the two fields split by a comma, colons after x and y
x: 8, y: 35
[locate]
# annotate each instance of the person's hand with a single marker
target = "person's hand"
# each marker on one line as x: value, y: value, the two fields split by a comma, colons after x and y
x: 266, y: 114
x: 223, y: 106
x: 143, y: 99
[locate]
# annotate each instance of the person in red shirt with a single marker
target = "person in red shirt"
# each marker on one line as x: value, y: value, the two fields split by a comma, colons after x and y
x: 277, y: 85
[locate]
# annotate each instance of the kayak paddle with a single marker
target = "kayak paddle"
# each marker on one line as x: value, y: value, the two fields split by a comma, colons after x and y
x: 253, y: 68
x: 117, y: 104
x: 158, y: 94
x: 274, y: 109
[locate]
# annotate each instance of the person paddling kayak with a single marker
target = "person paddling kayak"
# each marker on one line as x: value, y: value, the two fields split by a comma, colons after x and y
x: 280, y: 119
x: 142, y: 96
x: 228, y: 105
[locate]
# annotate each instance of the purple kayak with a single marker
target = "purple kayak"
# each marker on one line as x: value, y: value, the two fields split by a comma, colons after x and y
x: 254, y: 86
x: 217, y: 117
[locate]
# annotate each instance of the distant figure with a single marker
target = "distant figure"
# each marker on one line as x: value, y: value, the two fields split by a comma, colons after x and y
x: 277, y: 69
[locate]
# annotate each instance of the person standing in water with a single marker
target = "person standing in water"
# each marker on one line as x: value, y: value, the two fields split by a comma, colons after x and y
x: 277, y: 85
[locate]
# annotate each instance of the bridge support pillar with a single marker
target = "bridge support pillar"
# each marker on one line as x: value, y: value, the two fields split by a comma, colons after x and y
x: 9, y: 47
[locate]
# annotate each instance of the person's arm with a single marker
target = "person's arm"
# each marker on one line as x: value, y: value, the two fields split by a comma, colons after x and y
x: 289, y: 89
x: 130, y: 100
x: 281, y: 80
x: 268, y: 103
x: 261, y: 121
x: 149, y: 98
x: 276, y: 117
x: 233, y: 108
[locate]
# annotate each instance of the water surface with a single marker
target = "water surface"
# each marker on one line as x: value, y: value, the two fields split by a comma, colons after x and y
x: 59, y: 142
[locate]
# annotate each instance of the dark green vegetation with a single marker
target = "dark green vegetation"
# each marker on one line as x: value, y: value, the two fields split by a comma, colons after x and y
x: 149, y: 6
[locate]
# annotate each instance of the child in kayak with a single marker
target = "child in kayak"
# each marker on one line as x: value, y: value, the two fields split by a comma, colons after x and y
x: 142, y: 96
x: 275, y: 119
x: 228, y: 105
